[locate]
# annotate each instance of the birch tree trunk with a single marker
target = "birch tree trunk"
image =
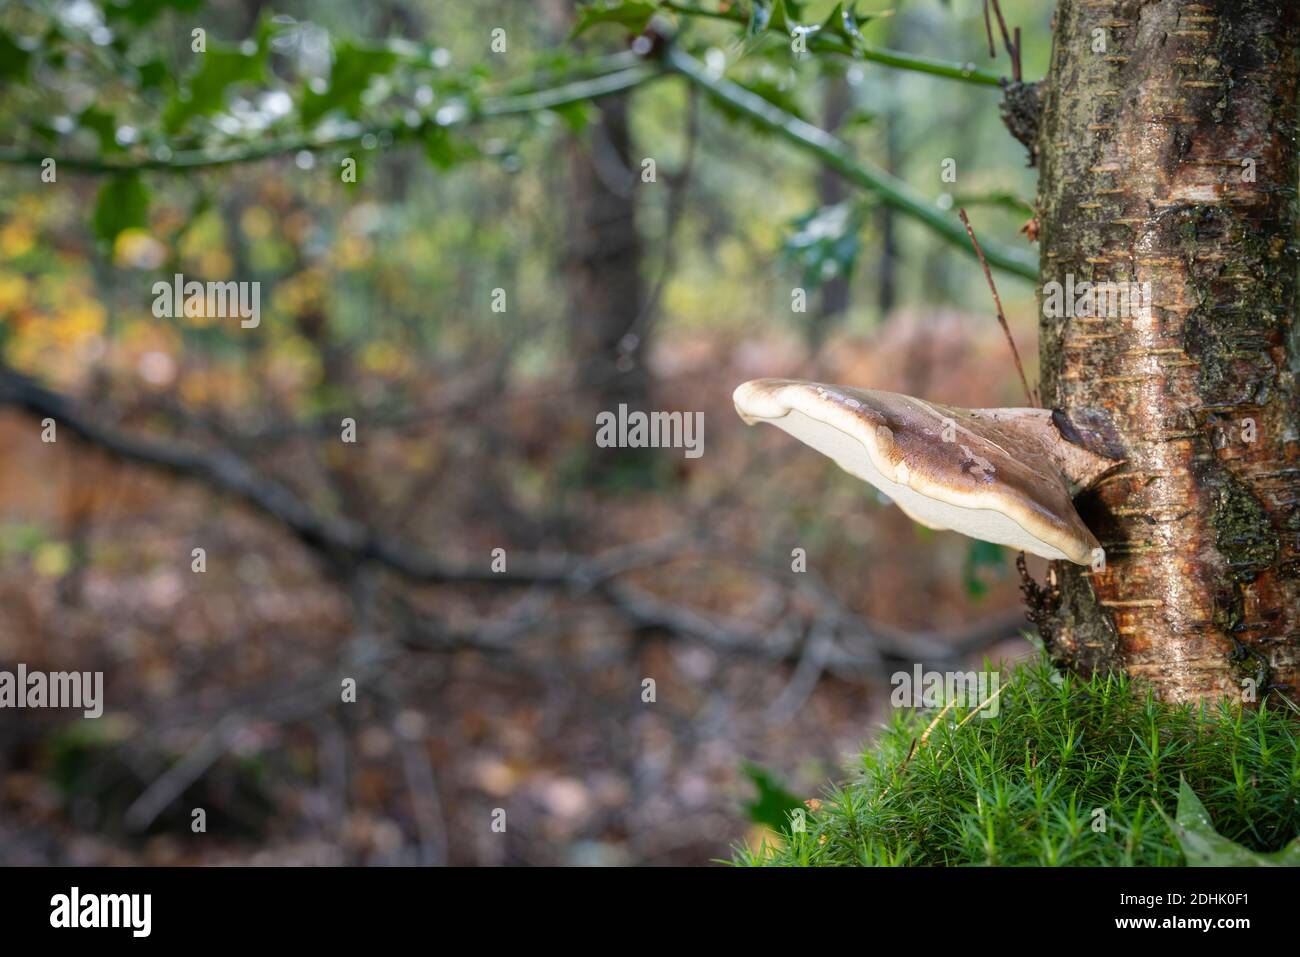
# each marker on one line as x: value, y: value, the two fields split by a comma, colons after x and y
x: 1168, y: 150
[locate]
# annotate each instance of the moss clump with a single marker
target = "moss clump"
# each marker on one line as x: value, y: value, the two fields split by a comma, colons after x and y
x: 1022, y: 788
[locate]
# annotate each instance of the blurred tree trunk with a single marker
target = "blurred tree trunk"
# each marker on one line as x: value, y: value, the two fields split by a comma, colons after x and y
x: 831, y: 190
x: 1169, y: 157
x: 607, y: 295
x: 887, y: 290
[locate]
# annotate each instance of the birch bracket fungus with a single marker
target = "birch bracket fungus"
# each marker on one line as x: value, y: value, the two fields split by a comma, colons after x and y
x: 1001, y: 475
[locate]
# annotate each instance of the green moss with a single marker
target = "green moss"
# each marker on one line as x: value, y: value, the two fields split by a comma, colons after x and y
x: 1024, y: 787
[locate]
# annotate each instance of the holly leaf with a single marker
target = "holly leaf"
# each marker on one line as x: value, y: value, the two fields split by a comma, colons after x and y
x: 123, y: 204
x: 103, y: 125
x: 759, y: 25
x: 760, y: 16
x: 825, y: 243
x: 632, y: 14
x: 774, y: 804
x: 1204, y: 848
x: 444, y: 150
x: 576, y: 116
x: 845, y: 24
x: 140, y: 12
x: 980, y: 555
x: 786, y: 16
x: 152, y: 73
x: 205, y: 93
x: 13, y: 58
x: 349, y: 76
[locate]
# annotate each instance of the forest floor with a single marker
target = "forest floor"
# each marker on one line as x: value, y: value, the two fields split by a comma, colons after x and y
x: 223, y: 688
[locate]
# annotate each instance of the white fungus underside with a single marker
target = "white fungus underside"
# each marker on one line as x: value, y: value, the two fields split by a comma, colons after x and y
x: 852, y: 456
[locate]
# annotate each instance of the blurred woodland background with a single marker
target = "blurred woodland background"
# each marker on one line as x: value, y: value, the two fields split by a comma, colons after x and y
x: 478, y: 689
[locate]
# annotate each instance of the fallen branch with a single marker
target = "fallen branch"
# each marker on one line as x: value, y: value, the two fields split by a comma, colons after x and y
x: 349, y: 545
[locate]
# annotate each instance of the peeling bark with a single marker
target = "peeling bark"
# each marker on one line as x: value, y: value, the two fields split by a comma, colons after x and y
x: 1147, y: 150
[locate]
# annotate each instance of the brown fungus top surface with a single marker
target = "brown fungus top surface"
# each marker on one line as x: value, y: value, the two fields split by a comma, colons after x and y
x: 961, y: 463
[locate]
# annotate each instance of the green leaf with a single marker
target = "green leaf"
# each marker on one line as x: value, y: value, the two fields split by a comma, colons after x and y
x: 980, y: 554
x: 783, y: 17
x: 774, y: 803
x: 632, y: 14
x: 825, y: 243
x: 349, y: 76
x: 123, y: 204
x: 1205, y: 848
x: 786, y: 16
x: 760, y: 16
x: 576, y: 116
x: 152, y: 73
x: 845, y: 24
x: 140, y: 12
x: 444, y: 150
x: 104, y: 125
x: 13, y: 58
x: 205, y: 93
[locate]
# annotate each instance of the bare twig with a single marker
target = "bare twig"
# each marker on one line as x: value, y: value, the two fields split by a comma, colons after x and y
x: 1013, y: 46
x: 812, y: 663
x: 319, y: 693
x: 982, y: 705
x: 426, y: 806
x: 997, y: 302
x: 925, y: 737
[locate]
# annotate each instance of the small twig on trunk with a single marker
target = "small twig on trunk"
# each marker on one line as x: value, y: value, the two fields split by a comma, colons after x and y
x: 997, y: 302
x: 1013, y: 46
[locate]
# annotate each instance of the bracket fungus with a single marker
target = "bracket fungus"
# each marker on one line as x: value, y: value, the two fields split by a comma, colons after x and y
x: 1005, y: 476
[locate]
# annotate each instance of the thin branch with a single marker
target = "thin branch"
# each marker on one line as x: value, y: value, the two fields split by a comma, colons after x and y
x: 276, y: 704
x: 338, y: 539
x: 965, y: 73
x: 997, y: 302
x: 1013, y: 46
x: 817, y: 648
x: 837, y: 155
x: 578, y: 91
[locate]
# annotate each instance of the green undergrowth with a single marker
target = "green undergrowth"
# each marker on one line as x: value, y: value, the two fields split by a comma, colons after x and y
x: 1068, y: 772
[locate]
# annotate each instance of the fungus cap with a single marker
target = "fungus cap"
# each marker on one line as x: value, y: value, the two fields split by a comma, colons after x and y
x: 999, y: 475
